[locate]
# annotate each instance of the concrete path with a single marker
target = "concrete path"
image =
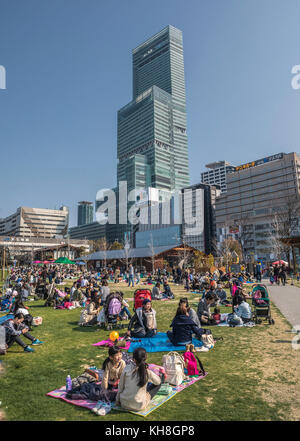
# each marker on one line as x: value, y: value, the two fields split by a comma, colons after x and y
x: 287, y: 299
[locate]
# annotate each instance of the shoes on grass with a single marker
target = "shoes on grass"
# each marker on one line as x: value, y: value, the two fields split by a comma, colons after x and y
x: 28, y: 349
x: 202, y: 349
x: 37, y: 342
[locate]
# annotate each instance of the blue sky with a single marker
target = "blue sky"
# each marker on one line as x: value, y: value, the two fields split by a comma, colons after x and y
x: 68, y: 66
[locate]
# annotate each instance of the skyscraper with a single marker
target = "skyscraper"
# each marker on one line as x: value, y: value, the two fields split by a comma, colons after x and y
x: 152, y: 139
x: 85, y: 213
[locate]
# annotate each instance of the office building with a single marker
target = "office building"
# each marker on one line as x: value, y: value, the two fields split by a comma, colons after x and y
x: 36, y: 222
x: 189, y: 220
x: 217, y: 174
x: 152, y: 139
x: 91, y: 231
x: 85, y: 213
x: 256, y: 191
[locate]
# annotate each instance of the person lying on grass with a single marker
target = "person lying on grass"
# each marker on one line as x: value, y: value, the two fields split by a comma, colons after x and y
x: 143, y: 321
x: 14, y: 328
x: 138, y: 384
x: 183, y: 328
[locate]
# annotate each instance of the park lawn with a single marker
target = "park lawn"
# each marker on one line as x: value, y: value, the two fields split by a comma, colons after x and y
x: 251, y: 373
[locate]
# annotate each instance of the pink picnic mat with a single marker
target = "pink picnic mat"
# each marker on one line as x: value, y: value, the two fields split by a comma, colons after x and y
x: 109, y: 343
x: 61, y: 394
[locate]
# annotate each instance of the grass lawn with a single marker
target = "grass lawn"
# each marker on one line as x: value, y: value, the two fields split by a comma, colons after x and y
x: 251, y: 373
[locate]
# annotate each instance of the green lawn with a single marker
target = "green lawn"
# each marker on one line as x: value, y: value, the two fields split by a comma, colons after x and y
x: 251, y: 373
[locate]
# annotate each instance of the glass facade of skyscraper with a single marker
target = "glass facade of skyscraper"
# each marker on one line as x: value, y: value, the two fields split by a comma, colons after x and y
x: 85, y: 213
x: 153, y: 125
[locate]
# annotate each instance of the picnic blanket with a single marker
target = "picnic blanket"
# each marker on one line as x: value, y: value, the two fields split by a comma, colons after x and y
x: 156, y: 402
x: 159, y: 343
x: 244, y: 325
x: 6, y: 317
x: 109, y: 343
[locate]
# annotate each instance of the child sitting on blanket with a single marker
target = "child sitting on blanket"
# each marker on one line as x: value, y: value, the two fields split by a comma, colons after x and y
x: 135, y: 389
x: 113, y: 367
x: 216, y: 315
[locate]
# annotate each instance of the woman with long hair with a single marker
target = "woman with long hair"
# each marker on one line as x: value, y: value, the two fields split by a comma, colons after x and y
x: 183, y: 327
x: 135, y: 392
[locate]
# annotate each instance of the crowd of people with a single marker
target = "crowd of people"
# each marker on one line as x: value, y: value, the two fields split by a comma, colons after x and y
x: 132, y: 383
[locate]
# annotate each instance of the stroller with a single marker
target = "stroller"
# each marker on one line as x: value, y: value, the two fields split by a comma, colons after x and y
x: 112, y: 310
x: 139, y: 296
x: 261, y: 304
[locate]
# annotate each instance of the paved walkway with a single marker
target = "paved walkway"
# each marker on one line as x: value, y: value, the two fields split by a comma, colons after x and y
x: 287, y: 299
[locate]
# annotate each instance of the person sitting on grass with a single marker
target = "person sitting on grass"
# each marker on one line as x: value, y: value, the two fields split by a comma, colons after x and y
x: 138, y: 384
x: 14, y: 328
x: 143, y: 321
x: 19, y: 307
x: 88, y: 316
x: 192, y: 313
x: 156, y: 294
x: 221, y: 294
x: 203, y: 310
x: 167, y: 294
x: 113, y: 367
x: 183, y: 328
x: 242, y: 309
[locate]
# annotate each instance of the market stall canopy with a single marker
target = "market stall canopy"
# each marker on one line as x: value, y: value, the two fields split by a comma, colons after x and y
x: 81, y: 263
x: 64, y: 260
x: 280, y: 262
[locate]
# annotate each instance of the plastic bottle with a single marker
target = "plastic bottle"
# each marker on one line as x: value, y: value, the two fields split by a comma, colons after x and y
x: 68, y: 383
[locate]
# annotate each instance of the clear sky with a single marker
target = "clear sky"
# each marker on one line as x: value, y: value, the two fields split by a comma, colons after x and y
x: 68, y: 67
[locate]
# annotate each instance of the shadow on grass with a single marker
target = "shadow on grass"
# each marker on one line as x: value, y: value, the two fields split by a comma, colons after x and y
x: 281, y: 341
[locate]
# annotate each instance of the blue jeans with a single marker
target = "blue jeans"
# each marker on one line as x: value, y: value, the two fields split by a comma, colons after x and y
x: 130, y: 279
x: 125, y: 309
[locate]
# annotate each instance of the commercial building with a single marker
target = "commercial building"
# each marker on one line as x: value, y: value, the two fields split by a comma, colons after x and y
x: 36, y: 222
x: 189, y: 219
x: 91, y: 231
x: 256, y: 193
x: 85, y: 213
x: 217, y: 174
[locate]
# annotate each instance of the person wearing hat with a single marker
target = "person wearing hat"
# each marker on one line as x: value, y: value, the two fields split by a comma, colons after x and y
x: 222, y: 296
x: 143, y: 321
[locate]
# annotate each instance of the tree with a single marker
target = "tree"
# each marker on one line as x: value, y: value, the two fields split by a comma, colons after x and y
x: 100, y: 245
x: 116, y: 245
x: 284, y: 223
x: 228, y: 246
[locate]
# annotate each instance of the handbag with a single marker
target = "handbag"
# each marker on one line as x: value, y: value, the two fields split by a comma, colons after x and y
x: 36, y: 321
x: 173, y: 364
x: 208, y: 340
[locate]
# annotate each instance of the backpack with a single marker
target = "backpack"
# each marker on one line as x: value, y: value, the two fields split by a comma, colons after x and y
x: 139, y: 296
x: 114, y: 307
x: 173, y: 364
x: 234, y: 320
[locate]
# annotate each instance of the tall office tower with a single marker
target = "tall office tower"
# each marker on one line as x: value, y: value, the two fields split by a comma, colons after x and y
x: 85, y: 213
x: 152, y: 139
